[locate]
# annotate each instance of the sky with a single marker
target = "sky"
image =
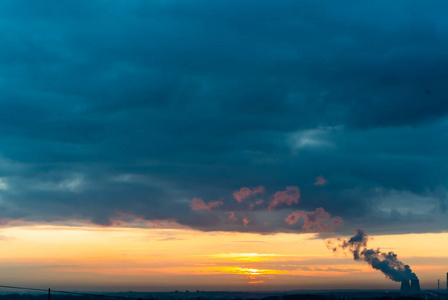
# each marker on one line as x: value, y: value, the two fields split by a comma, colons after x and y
x: 130, y: 130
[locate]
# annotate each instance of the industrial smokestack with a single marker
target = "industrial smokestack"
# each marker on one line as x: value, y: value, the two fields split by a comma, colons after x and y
x: 415, y: 286
x: 405, y: 288
x: 386, y: 262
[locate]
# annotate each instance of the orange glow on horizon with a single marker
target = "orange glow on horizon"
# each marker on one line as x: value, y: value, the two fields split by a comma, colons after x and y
x: 70, y: 256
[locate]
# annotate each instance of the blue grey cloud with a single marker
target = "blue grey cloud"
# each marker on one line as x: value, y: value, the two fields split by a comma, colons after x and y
x: 135, y: 108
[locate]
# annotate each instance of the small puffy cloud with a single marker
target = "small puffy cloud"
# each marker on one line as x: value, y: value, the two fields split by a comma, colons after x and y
x: 246, y: 221
x: 290, y: 196
x: 315, y: 221
x: 246, y: 192
x: 320, y: 180
x: 199, y: 204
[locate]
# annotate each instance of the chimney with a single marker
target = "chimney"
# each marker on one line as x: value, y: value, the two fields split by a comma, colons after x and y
x: 415, y: 286
x: 404, y: 290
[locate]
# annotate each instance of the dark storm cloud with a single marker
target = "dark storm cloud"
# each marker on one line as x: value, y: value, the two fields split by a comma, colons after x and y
x: 138, y: 107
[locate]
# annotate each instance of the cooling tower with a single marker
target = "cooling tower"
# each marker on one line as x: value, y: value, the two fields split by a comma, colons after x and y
x: 404, y: 290
x: 415, y: 286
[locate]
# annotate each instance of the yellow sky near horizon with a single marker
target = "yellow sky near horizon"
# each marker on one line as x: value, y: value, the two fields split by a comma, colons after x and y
x: 157, y: 259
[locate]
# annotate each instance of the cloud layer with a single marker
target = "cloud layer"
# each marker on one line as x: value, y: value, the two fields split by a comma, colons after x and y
x: 138, y: 107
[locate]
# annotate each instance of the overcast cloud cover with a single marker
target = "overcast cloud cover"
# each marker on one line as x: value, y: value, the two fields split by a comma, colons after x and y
x: 129, y: 110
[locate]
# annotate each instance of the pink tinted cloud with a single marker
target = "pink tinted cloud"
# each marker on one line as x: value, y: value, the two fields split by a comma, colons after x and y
x: 126, y: 219
x: 258, y: 202
x: 4, y: 222
x: 166, y: 224
x: 320, y: 180
x: 246, y: 221
x: 198, y: 204
x: 289, y: 196
x: 231, y: 215
x: 315, y: 221
x: 246, y: 192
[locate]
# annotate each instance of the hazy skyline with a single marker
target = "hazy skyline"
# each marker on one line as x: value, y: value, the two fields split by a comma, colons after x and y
x: 284, y: 120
